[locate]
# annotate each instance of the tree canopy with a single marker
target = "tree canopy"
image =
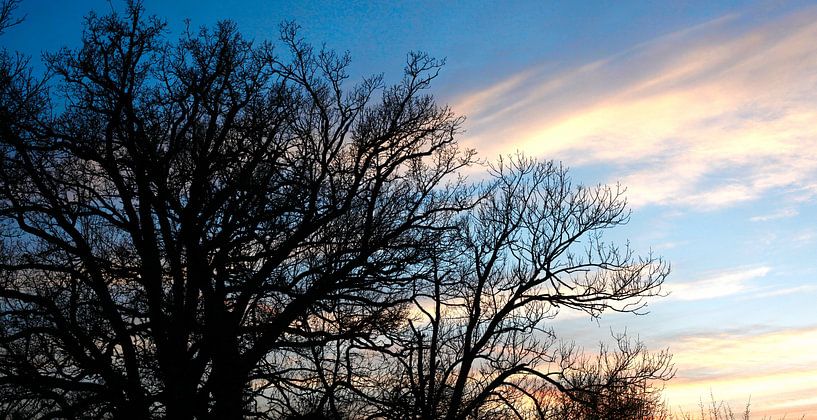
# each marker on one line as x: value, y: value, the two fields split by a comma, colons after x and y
x: 213, y: 227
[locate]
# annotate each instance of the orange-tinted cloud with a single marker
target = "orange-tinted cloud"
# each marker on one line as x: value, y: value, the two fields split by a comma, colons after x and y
x: 705, y: 118
x: 774, y: 368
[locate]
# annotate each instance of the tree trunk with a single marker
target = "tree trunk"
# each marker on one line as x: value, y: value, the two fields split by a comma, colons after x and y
x: 180, y: 402
x: 228, y: 393
x: 228, y: 382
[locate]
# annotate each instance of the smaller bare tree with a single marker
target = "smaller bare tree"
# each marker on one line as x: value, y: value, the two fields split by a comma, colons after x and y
x: 476, y: 342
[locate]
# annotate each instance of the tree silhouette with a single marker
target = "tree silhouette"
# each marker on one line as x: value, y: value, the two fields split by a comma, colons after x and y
x: 211, y: 228
x: 476, y: 343
x: 194, y: 203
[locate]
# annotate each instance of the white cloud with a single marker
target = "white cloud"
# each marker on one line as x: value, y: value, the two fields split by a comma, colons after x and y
x: 774, y: 292
x: 704, y: 118
x: 780, y: 214
x: 719, y: 285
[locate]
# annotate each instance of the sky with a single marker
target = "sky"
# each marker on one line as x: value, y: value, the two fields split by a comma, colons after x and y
x: 706, y: 111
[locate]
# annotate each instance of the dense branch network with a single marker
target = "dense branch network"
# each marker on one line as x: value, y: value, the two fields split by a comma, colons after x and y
x: 216, y: 228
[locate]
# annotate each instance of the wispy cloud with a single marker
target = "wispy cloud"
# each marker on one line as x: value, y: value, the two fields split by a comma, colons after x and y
x: 774, y: 292
x: 719, y: 285
x: 780, y: 214
x: 707, y: 117
x: 770, y: 366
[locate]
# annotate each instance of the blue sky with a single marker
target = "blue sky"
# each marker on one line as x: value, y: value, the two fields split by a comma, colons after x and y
x: 705, y: 110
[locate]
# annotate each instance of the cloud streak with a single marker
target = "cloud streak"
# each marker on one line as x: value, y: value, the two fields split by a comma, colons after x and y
x: 780, y: 214
x: 705, y: 118
x: 720, y: 285
x: 769, y: 366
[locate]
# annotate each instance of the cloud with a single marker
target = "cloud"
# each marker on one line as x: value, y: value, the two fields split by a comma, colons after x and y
x: 774, y: 292
x: 771, y: 367
x: 719, y: 285
x: 780, y: 214
x: 705, y: 118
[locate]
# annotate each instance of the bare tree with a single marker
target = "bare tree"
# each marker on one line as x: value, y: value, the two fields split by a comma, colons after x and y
x: 213, y: 228
x: 476, y: 343
x: 187, y: 208
x: 618, y: 383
